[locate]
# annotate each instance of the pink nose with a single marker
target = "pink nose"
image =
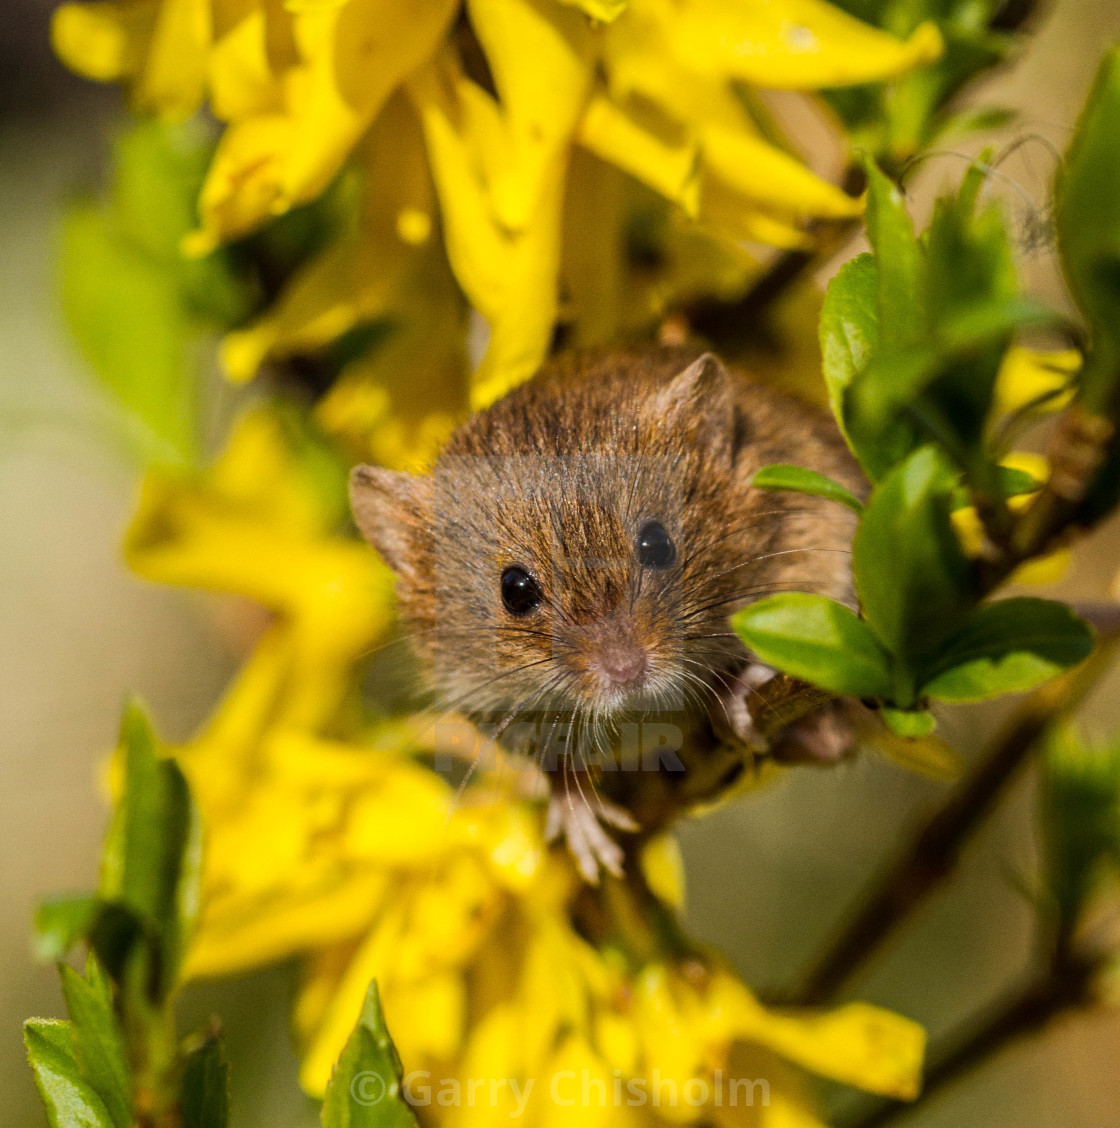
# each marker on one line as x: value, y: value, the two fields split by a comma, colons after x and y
x: 621, y: 665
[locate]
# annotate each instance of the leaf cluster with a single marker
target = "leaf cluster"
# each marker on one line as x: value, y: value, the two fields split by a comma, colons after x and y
x: 117, y: 1061
x: 913, y: 337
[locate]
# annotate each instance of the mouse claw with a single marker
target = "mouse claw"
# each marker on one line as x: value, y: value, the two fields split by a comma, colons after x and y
x: 580, y: 822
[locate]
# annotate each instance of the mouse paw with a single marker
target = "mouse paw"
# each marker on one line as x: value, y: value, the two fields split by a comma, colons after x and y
x: 580, y: 820
x: 732, y: 718
x: 828, y: 736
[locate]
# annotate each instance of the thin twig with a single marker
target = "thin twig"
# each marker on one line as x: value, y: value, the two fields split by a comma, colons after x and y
x: 1027, y: 1011
x: 933, y: 853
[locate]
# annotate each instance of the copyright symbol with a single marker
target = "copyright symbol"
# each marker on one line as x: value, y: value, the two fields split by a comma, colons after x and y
x: 367, y: 1088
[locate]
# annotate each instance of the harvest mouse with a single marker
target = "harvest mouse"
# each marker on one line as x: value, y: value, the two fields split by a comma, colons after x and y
x: 578, y: 547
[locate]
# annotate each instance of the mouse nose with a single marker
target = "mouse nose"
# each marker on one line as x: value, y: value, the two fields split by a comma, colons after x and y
x: 621, y: 665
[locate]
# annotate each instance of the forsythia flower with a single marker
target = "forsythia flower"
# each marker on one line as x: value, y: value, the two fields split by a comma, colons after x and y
x: 337, y: 843
x: 505, y: 91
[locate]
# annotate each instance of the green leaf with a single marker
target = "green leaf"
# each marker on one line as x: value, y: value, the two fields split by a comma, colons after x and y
x: 1080, y: 796
x: 908, y: 722
x: 205, y: 1087
x: 128, y: 320
x: 70, y: 1101
x: 817, y: 639
x: 849, y: 336
x: 1088, y: 226
x: 151, y: 861
x: 912, y: 576
x: 899, y: 256
x: 96, y: 1039
x: 60, y: 922
x: 365, y: 1089
x: 781, y: 476
x: 1007, y: 647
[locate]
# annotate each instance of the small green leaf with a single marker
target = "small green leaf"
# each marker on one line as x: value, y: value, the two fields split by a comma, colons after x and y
x: 365, y: 1089
x: 70, y: 1101
x: 912, y: 576
x: 1080, y: 796
x: 780, y: 476
x: 1088, y: 226
x: 150, y: 865
x: 60, y: 922
x: 899, y: 257
x: 205, y: 1087
x: 97, y: 1044
x: 909, y: 722
x: 817, y: 639
x: 1007, y: 647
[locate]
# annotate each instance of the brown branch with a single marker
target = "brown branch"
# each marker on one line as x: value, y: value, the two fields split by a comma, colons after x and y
x: 1067, y: 985
x: 934, y: 851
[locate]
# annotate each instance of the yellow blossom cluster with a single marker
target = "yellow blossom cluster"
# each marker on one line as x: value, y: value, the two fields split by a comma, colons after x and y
x: 333, y: 840
x: 502, y: 157
x: 531, y: 119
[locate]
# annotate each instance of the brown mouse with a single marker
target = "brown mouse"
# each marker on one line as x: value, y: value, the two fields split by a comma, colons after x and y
x: 578, y: 547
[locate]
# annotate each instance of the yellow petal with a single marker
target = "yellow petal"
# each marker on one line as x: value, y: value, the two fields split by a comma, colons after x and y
x: 242, y: 81
x: 858, y: 1044
x: 791, y: 44
x: 521, y: 330
x: 654, y: 152
x: 770, y: 178
x: 541, y: 59
x: 237, y: 934
x: 1028, y: 375
x: 173, y: 78
x: 351, y: 58
x: 104, y: 41
x: 730, y: 212
x: 476, y: 248
x: 663, y: 869
x: 604, y: 10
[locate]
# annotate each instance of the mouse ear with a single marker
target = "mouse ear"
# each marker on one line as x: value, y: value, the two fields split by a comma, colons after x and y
x: 385, y: 504
x: 701, y: 399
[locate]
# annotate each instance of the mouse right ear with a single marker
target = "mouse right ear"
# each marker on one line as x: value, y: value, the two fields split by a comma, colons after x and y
x: 386, y: 505
x: 700, y: 400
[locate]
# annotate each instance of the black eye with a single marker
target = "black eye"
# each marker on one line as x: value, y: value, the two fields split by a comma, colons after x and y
x: 655, y: 546
x: 520, y: 592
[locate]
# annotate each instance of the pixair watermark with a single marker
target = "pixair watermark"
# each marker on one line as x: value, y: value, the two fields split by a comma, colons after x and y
x: 641, y: 746
x: 566, y: 1088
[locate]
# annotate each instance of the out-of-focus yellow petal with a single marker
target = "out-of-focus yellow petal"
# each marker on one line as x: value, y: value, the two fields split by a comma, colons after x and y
x: 858, y: 1044
x: 970, y: 530
x: 666, y: 159
x: 242, y: 81
x: 351, y: 58
x: 173, y: 79
x: 604, y: 10
x: 521, y: 331
x: 1028, y: 375
x: 541, y: 59
x: 663, y: 869
x: 236, y: 934
x: 730, y: 212
x: 104, y: 41
x: 790, y: 44
x: 770, y: 178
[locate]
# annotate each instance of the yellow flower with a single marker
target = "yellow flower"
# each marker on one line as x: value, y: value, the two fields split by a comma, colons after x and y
x: 358, y: 857
x: 260, y: 524
x: 1030, y: 377
x: 970, y: 530
x: 647, y: 86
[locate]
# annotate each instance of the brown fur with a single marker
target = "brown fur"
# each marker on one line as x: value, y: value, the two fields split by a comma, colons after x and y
x: 558, y: 477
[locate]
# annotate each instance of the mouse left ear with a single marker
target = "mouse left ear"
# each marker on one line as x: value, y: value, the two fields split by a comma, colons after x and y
x: 386, y: 508
x: 701, y: 400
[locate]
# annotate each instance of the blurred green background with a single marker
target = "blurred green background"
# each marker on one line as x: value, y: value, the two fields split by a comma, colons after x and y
x: 769, y: 876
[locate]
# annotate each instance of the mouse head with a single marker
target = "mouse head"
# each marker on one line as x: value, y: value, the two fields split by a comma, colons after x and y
x: 572, y: 548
